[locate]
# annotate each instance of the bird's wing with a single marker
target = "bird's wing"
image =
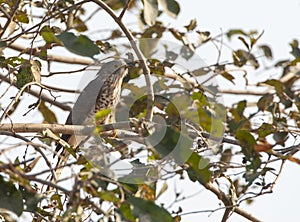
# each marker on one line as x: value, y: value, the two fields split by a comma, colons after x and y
x: 83, y: 107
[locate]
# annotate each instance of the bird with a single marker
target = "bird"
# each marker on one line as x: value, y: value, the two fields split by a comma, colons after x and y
x: 102, y: 93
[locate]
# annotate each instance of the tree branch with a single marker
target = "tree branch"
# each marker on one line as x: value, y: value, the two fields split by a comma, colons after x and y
x: 138, y: 53
x: 59, y: 128
x: 226, y: 201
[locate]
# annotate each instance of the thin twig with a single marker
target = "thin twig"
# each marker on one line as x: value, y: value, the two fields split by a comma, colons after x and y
x: 36, y: 147
x: 10, y: 18
x: 222, y: 196
x: 37, y: 95
x: 124, y: 9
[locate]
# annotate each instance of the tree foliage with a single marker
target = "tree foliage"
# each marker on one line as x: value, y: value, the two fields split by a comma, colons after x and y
x: 196, y: 133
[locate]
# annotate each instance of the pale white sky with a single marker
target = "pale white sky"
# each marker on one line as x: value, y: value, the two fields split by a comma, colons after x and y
x: 280, y: 21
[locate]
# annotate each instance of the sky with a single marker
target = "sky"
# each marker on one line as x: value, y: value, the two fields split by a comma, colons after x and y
x: 280, y: 22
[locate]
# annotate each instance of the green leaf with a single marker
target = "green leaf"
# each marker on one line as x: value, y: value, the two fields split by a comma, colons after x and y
x: 150, y: 12
x: 254, y: 40
x: 126, y: 212
x: 21, y: 16
x: 24, y: 75
x: 265, y: 101
x: 79, y: 25
x: 148, y: 211
x: 10, y: 197
x: 265, y: 129
x: 170, y: 7
x: 109, y: 196
x: 247, y: 142
x: 80, y: 45
x: 31, y: 200
x: 57, y: 199
x: 240, y: 57
x: 233, y: 32
x: 48, y: 34
x: 198, y: 168
x: 175, y: 143
x: 3, y: 44
x: 101, y: 114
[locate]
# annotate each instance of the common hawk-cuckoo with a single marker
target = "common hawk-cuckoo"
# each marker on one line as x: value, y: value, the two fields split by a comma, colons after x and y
x: 101, y: 93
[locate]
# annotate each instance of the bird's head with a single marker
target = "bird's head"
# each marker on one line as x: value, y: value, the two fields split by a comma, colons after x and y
x: 115, y: 70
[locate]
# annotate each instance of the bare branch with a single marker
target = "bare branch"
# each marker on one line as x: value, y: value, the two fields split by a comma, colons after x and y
x: 226, y: 201
x: 36, y: 94
x: 59, y: 128
x: 52, y: 57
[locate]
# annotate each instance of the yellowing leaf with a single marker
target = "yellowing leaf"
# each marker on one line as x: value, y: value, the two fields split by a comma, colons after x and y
x: 49, y: 116
x: 101, y: 114
x: 150, y: 11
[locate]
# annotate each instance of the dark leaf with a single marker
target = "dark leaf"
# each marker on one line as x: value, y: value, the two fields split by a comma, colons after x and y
x: 80, y: 45
x: 201, y: 71
x: 277, y: 85
x: 267, y: 51
x: 265, y: 101
x: 187, y: 52
x: 24, y: 75
x: 228, y: 76
x: 3, y: 44
x: 203, y: 37
x: 56, y: 199
x: 31, y: 200
x: 280, y: 137
x: 240, y: 57
x: 170, y: 7
x: 147, y: 210
x: 226, y: 156
x: 10, y: 197
x: 295, y: 48
x: 178, y: 35
x: 79, y: 25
